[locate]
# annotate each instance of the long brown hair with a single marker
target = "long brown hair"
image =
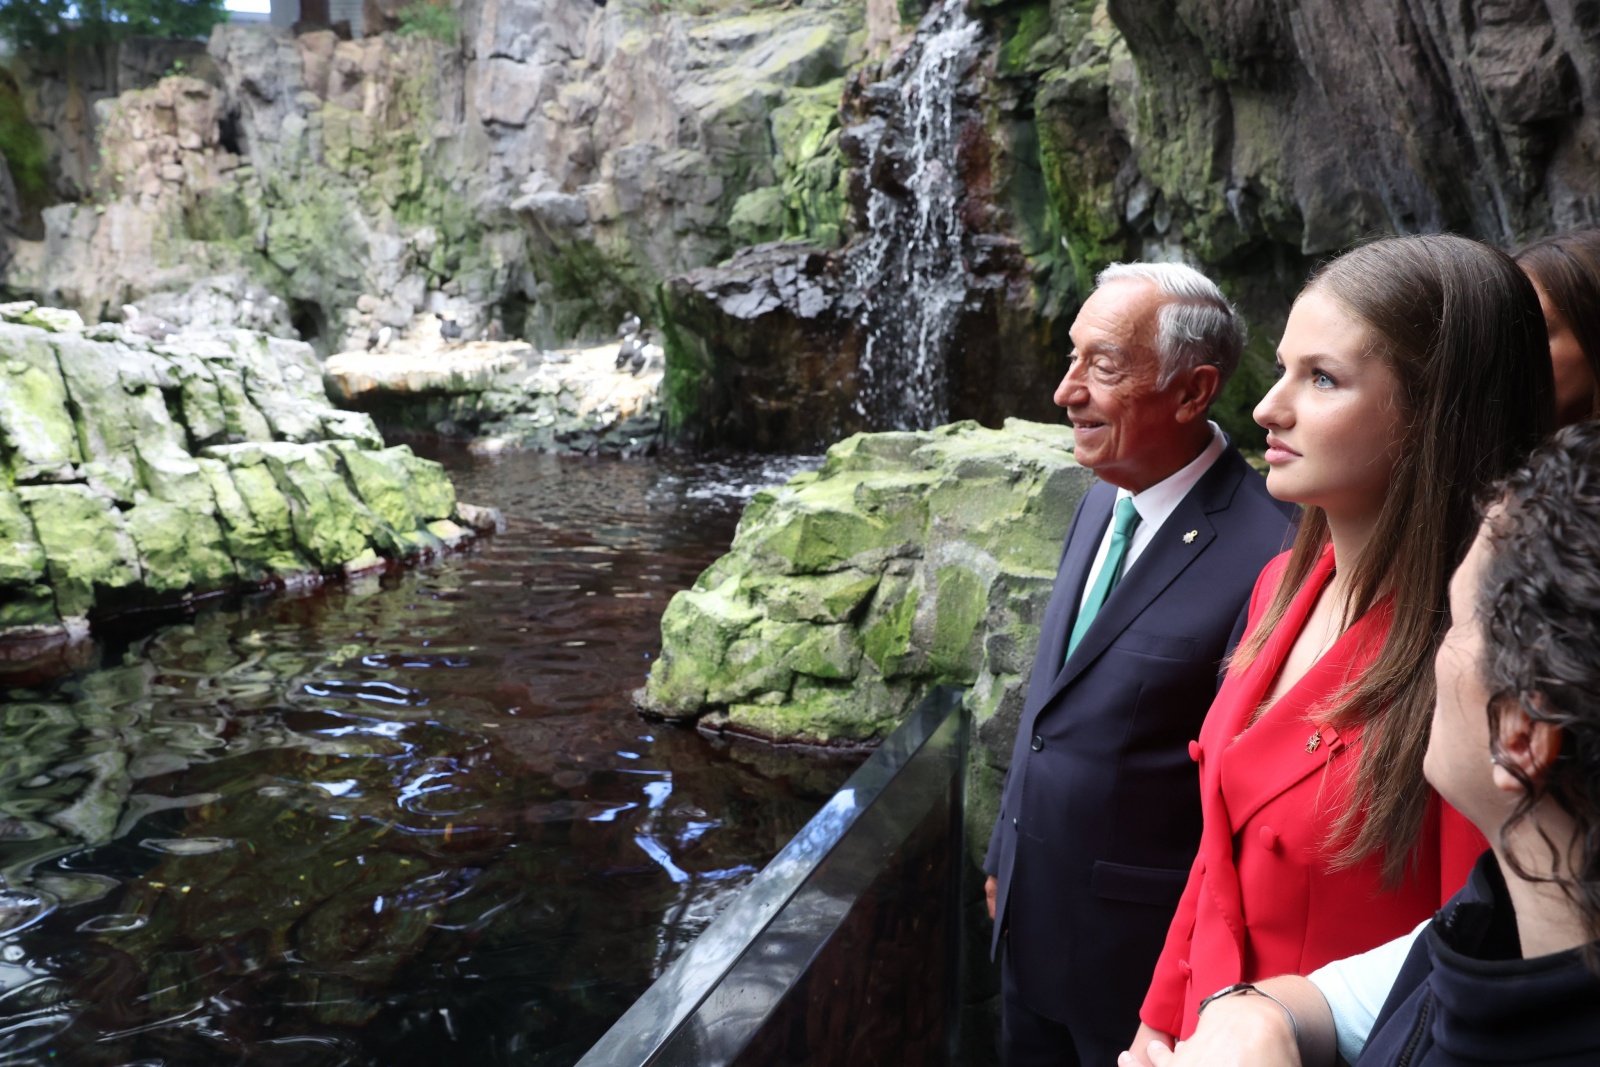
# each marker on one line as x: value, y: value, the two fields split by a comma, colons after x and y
x: 1460, y: 326
x: 1567, y: 267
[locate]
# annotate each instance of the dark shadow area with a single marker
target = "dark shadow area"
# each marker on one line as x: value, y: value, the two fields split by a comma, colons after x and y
x: 311, y: 323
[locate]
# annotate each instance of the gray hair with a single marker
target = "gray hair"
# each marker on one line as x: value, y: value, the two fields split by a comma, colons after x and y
x: 1197, y: 327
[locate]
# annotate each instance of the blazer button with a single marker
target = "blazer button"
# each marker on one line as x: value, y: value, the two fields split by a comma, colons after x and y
x: 1038, y: 743
x: 1269, y: 839
x: 1195, y: 751
x: 1013, y: 824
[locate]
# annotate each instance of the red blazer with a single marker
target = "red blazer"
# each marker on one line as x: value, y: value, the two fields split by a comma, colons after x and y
x: 1262, y: 898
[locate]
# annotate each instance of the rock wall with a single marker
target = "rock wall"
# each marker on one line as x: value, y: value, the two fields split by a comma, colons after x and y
x: 907, y: 560
x: 1248, y: 137
x: 1253, y: 137
x: 62, y: 91
x: 135, y: 473
x: 539, y: 180
x: 548, y: 172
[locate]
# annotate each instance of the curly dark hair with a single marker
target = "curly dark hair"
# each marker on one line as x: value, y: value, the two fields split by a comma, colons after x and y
x: 1539, y: 602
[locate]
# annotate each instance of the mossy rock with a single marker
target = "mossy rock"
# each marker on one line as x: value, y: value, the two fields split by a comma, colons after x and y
x: 88, y: 552
x: 908, y: 560
x: 132, y: 473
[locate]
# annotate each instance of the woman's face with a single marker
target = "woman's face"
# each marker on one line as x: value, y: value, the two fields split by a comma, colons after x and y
x: 1333, y: 419
x: 1457, y: 761
x: 1575, y: 384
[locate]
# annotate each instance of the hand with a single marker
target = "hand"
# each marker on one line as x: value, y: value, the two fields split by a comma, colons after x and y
x: 1240, y: 1031
x: 1144, y: 1042
x: 990, y: 888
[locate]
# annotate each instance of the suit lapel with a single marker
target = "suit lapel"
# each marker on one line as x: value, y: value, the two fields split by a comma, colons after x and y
x: 1277, y: 750
x: 1166, y: 557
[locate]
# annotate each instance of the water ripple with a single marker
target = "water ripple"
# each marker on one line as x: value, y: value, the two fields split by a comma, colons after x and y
x: 406, y: 821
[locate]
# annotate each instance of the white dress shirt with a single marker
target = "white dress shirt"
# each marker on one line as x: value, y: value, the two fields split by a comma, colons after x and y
x: 1155, y: 505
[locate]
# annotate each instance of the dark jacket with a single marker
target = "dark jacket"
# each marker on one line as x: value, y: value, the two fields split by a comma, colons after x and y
x: 1466, y: 996
x: 1101, y: 810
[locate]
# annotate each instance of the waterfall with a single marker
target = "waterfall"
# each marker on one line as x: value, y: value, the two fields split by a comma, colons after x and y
x: 908, y: 265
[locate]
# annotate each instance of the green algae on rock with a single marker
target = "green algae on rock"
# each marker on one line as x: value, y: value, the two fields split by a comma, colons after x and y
x: 134, y: 473
x: 908, y: 560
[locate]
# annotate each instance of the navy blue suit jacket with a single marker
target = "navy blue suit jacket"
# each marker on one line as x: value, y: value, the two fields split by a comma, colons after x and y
x: 1100, y: 817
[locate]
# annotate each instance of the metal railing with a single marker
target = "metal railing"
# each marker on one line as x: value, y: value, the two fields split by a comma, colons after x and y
x: 846, y: 948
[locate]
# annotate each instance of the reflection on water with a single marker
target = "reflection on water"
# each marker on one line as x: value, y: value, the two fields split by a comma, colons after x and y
x: 412, y: 820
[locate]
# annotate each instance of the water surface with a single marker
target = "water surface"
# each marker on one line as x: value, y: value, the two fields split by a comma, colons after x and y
x: 410, y: 820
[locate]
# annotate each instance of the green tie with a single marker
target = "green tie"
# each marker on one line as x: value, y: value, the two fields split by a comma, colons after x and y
x: 1110, y: 571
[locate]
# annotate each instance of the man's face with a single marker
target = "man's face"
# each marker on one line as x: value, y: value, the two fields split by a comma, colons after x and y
x: 1123, y: 426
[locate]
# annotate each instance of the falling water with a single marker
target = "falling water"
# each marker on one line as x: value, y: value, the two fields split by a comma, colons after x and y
x: 908, y: 265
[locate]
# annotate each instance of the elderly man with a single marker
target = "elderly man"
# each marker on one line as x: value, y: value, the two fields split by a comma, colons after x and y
x: 1100, y: 816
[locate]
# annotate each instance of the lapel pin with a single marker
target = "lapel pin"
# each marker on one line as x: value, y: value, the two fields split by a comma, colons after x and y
x: 1189, y: 537
x: 1315, y: 742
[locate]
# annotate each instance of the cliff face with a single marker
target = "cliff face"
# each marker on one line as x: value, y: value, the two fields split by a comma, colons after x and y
x: 544, y: 173
x: 1255, y: 137
x: 561, y: 161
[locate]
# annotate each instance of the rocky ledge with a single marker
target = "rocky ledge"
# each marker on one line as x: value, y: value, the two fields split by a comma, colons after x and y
x: 501, y: 395
x: 137, y: 472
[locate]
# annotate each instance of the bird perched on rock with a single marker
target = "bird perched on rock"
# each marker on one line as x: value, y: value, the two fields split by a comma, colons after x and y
x: 379, y: 338
x: 630, y: 326
x: 146, y: 325
x: 629, y: 349
x: 449, y: 329
x: 649, y: 355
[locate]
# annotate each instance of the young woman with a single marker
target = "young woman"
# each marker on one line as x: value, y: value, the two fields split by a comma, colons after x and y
x: 1413, y: 376
x: 1565, y: 270
x: 1509, y: 972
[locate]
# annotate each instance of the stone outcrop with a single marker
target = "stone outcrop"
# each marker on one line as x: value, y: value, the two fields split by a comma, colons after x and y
x: 226, y: 301
x: 764, y: 350
x: 906, y: 561
x: 161, y: 155
x: 62, y: 91
x: 135, y: 473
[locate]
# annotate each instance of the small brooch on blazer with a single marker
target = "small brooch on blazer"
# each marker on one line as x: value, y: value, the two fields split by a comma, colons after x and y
x: 1189, y: 537
x: 1315, y: 742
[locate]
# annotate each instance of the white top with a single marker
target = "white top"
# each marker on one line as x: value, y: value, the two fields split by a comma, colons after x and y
x: 1154, y: 506
x: 1356, y: 987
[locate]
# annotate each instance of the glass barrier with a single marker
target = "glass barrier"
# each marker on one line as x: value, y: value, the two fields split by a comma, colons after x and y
x: 846, y: 948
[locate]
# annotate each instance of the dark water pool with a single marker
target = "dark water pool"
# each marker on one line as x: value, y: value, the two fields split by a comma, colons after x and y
x: 412, y: 820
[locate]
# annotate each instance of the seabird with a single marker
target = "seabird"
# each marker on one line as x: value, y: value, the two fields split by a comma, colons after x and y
x: 629, y: 349
x: 146, y: 325
x: 650, y: 354
x: 630, y: 326
x: 449, y: 329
